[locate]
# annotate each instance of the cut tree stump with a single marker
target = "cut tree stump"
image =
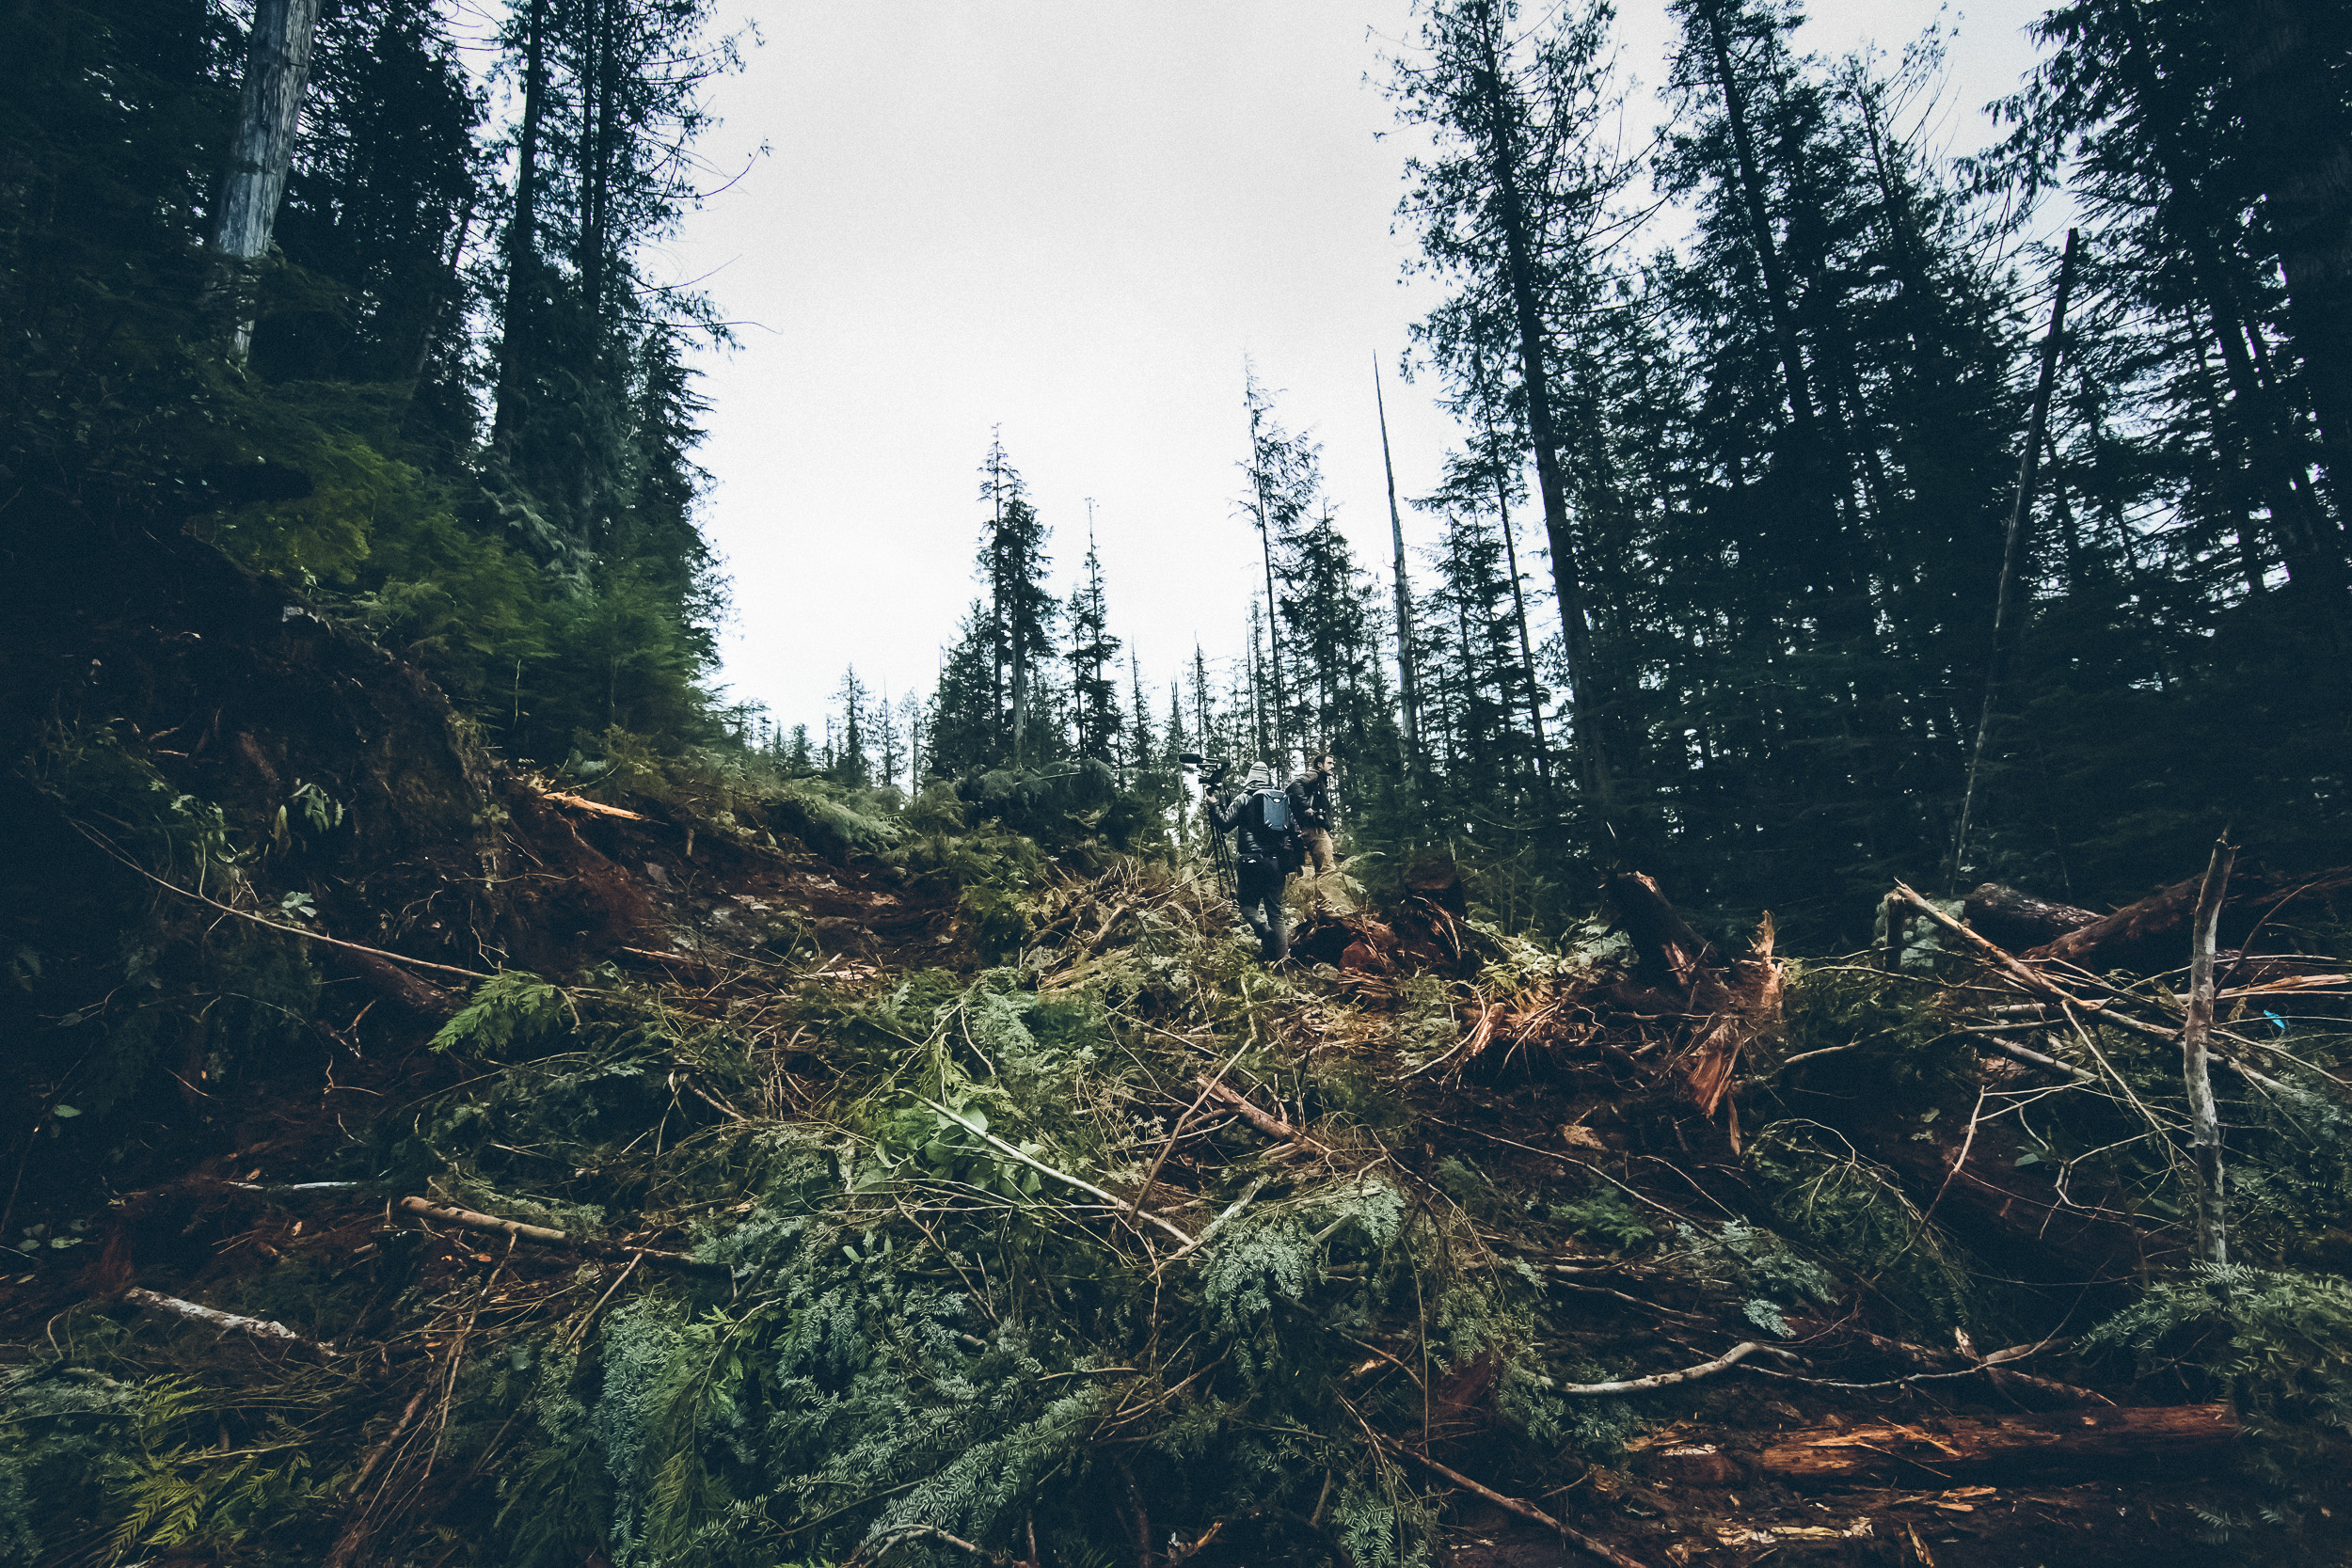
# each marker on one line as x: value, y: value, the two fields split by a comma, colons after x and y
x: 1947, y: 1445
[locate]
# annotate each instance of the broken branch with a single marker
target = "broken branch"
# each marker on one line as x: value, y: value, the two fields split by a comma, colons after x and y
x: 1730, y: 1358
x: 448, y: 1213
x: 1594, y: 1545
x: 260, y: 1328
x: 1043, y: 1169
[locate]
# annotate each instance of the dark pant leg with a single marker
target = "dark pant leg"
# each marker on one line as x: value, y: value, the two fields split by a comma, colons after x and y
x: 1260, y: 884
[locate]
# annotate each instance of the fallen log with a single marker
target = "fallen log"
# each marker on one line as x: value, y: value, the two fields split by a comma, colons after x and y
x: 393, y: 982
x: 2018, y: 920
x: 263, y: 1329
x: 448, y: 1213
x: 1991, y: 1199
x: 1943, y: 1447
x: 2153, y: 935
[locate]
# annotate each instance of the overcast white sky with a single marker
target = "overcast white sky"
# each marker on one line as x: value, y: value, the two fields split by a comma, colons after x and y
x: 1070, y: 219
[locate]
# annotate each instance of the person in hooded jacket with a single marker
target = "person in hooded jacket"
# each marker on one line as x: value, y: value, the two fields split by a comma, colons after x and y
x: 1267, y: 849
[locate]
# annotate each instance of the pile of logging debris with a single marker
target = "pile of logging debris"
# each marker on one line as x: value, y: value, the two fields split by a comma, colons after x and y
x: 724, y: 1248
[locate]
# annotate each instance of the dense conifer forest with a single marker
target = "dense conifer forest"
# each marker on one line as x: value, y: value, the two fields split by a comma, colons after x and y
x: 1827, y: 1040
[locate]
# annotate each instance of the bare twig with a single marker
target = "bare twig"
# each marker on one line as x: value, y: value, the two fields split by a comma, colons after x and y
x: 448, y: 1213
x: 1594, y: 1545
x: 1272, y: 1126
x: 1730, y: 1358
x: 1002, y: 1146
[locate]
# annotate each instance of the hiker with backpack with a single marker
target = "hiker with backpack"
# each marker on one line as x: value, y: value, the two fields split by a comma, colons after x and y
x: 1267, y: 850
x: 1311, y: 810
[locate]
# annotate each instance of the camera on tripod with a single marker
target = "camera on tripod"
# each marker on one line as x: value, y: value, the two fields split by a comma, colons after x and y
x: 1212, y: 773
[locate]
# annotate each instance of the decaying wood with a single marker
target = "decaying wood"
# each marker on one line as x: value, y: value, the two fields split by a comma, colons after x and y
x: 2025, y: 977
x: 230, y: 1322
x: 1592, y: 1544
x: 2204, y: 1118
x: 594, y: 808
x: 1272, y: 1126
x: 2151, y: 935
x: 2018, y: 920
x: 1951, y: 1445
x: 1661, y: 937
x: 393, y: 982
x: 448, y: 1213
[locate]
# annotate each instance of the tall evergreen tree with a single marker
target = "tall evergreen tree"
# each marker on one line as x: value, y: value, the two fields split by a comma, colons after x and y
x: 1094, y: 686
x: 1508, y: 205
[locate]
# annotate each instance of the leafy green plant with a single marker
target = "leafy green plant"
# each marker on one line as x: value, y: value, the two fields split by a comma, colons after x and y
x: 511, y: 1009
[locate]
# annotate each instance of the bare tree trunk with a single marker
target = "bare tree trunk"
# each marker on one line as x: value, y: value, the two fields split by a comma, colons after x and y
x: 1586, y: 700
x: 1406, y: 672
x: 2304, y: 163
x: 1518, y: 595
x: 276, y: 69
x: 1265, y: 547
x: 522, y: 248
x: 2213, y: 1217
x: 1767, y: 255
x: 2013, y: 553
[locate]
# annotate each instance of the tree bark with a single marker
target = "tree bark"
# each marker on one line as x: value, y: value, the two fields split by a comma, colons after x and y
x: 2147, y: 935
x: 522, y: 248
x: 276, y: 68
x: 1587, y: 703
x: 1404, y: 669
x: 1951, y: 1445
x: 2017, y: 920
x: 269, y: 110
x: 2204, y: 1118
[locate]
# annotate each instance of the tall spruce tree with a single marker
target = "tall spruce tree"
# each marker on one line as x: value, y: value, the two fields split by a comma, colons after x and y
x: 1093, y: 682
x: 1509, y: 206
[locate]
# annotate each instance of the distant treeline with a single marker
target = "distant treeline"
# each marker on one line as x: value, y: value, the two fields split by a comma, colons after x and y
x: 1740, y: 631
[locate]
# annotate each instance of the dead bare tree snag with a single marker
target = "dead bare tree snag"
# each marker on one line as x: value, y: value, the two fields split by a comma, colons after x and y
x: 2213, y: 1230
x: 2013, y: 555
